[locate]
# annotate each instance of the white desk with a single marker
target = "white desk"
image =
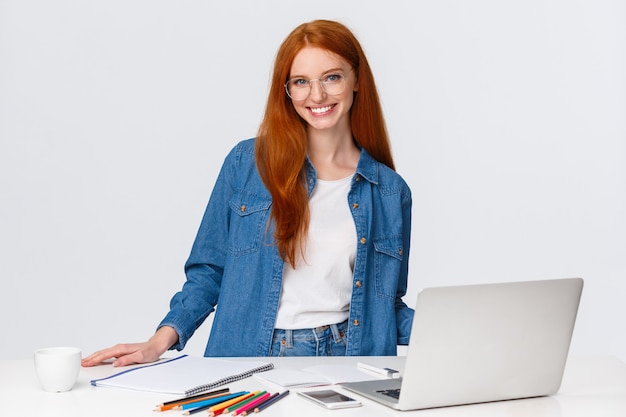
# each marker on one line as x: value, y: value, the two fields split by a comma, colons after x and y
x: 592, y: 386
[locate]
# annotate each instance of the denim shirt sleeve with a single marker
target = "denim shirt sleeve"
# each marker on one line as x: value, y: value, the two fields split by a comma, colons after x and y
x: 404, y: 314
x: 205, y: 266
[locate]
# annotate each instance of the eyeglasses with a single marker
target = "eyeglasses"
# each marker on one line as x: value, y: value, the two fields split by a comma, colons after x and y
x: 299, y: 89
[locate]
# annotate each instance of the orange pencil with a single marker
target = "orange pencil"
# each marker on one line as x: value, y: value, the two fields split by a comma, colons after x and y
x: 200, y: 397
x: 217, y: 409
x: 205, y: 405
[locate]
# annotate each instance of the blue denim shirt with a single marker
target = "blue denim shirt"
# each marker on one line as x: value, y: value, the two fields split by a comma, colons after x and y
x: 236, y: 271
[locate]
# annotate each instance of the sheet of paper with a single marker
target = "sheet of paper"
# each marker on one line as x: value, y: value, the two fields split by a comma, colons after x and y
x: 183, y: 375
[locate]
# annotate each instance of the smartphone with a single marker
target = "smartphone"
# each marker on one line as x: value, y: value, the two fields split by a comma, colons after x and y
x: 330, y: 399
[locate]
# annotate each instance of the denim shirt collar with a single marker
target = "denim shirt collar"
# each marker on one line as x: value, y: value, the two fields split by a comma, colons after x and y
x: 366, y: 168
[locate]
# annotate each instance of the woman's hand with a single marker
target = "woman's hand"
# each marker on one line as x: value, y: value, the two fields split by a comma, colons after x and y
x: 131, y: 353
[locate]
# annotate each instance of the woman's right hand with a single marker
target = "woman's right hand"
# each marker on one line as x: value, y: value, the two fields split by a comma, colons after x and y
x: 132, y: 353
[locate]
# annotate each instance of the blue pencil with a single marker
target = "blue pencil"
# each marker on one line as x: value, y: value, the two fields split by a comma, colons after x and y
x: 212, y: 401
x: 271, y: 401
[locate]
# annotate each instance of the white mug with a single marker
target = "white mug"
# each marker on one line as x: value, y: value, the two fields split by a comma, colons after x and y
x: 57, y: 368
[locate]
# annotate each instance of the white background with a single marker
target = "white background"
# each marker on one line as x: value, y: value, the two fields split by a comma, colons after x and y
x: 507, y: 119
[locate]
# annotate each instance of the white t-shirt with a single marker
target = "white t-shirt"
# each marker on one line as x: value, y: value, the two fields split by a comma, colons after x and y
x: 318, y: 291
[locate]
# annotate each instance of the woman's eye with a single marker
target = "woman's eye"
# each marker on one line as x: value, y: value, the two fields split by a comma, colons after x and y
x: 333, y: 78
x: 299, y: 82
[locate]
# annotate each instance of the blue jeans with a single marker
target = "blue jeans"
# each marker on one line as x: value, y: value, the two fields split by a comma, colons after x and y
x: 320, y: 341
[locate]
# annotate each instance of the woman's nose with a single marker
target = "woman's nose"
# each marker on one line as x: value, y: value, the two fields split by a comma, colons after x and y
x: 317, y: 91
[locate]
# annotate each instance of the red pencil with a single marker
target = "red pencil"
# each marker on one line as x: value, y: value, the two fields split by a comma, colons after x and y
x: 252, y: 405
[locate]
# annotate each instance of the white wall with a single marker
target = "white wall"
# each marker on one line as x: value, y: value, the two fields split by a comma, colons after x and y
x: 508, y: 120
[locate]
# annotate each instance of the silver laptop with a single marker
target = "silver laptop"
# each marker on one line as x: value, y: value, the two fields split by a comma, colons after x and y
x: 481, y: 343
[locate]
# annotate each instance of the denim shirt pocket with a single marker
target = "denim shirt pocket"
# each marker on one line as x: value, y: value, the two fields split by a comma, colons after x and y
x: 388, y: 259
x: 248, y: 222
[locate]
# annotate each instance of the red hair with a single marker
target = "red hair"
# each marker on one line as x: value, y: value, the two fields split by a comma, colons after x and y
x: 281, y: 147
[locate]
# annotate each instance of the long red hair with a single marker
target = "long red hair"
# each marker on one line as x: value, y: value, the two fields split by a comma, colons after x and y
x: 281, y: 147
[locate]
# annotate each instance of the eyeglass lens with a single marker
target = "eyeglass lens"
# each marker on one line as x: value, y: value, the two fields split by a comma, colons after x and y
x: 300, y: 88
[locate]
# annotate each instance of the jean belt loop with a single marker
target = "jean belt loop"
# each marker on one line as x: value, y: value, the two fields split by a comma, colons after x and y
x: 288, y: 338
x: 336, y: 335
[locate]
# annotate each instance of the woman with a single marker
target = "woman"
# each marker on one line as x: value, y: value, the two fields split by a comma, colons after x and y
x: 303, y: 248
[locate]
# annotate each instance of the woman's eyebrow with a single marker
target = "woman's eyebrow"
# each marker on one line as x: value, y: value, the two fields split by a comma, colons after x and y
x: 324, y: 72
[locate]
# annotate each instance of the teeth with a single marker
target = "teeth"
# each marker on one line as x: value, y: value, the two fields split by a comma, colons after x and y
x: 321, y: 109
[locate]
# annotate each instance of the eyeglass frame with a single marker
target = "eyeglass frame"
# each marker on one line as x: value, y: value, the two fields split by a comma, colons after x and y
x: 345, y: 77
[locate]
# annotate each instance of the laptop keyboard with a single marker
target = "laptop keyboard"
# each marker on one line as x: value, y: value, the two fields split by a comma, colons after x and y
x: 393, y: 393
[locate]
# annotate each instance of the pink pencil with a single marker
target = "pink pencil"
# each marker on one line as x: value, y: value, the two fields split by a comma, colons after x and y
x: 251, y: 405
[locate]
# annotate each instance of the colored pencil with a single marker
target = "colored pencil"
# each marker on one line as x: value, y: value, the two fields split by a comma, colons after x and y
x: 271, y: 401
x: 219, y: 408
x: 255, y: 395
x: 251, y: 405
x: 168, y: 405
x: 211, y: 402
x: 264, y: 401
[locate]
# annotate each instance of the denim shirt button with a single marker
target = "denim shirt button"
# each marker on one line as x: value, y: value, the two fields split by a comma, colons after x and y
x: 363, y: 241
x: 356, y: 322
x: 242, y: 208
x: 400, y: 251
x: 355, y: 205
x: 358, y: 284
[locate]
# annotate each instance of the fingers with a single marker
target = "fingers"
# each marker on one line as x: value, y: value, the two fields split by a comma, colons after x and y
x: 124, y: 354
x: 117, y: 352
x: 129, y: 359
x: 130, y: 353
x: 95, y: 359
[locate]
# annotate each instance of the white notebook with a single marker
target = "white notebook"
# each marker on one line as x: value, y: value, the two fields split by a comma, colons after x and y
x: 184, y: 375
x: 316, y: 375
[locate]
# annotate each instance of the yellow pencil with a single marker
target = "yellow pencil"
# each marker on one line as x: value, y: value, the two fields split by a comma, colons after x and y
x: 217, y: 409
x: 255, y: 395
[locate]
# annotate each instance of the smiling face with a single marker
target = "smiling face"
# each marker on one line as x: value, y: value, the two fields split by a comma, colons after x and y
x: 321, y: 110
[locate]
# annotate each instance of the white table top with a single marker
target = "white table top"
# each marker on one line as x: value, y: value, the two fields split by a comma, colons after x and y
x: 592, y: 386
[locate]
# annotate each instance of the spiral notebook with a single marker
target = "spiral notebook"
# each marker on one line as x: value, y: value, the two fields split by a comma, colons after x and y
x: 184, y: 375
